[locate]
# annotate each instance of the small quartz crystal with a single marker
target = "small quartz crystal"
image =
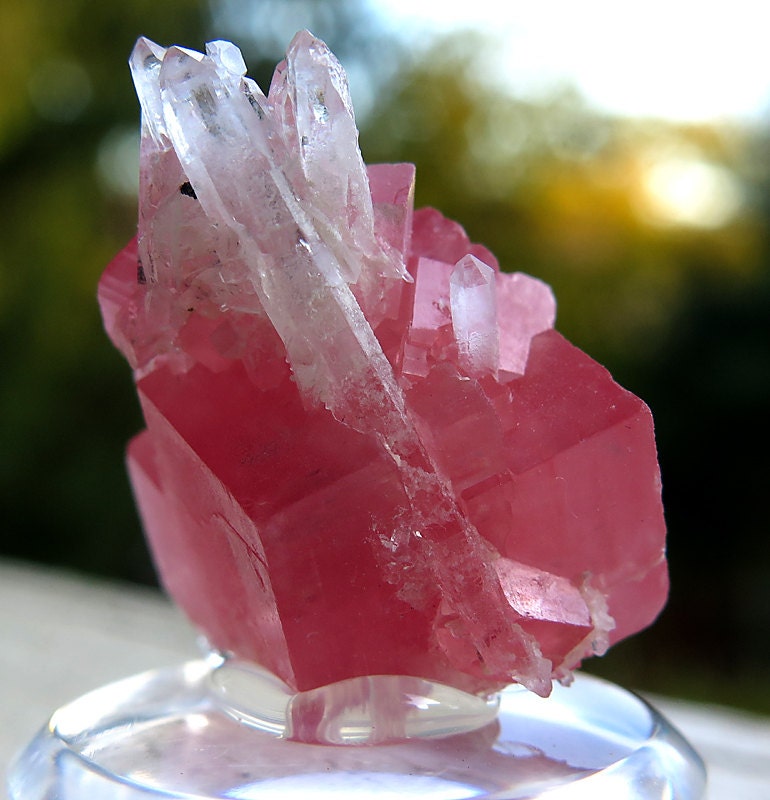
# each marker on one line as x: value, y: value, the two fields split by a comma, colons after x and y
x: 367, y: 450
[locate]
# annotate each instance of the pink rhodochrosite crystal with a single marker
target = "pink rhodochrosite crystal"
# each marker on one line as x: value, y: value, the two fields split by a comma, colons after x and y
x: 367, y: 451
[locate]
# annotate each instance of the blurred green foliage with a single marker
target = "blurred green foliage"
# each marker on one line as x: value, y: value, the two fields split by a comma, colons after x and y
x: 673, y: 298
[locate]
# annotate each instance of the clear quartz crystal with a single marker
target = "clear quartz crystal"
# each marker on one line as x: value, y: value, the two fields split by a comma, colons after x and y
x: 474, y: 315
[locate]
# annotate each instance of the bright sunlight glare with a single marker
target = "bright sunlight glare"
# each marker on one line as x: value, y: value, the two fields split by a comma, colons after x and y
x: 685, y: 189
x: 680, y: 60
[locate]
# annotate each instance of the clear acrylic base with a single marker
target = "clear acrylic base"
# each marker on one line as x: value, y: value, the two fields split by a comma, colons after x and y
x: 168, y: 734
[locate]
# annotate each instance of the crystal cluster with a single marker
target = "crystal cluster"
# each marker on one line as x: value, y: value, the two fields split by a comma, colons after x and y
x: 367, y: 451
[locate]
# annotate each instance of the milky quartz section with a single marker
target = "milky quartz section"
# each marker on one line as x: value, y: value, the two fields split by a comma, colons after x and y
x: 367, y: 451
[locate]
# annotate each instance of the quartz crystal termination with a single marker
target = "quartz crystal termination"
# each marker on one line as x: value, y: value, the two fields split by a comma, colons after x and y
x: 367, y: 451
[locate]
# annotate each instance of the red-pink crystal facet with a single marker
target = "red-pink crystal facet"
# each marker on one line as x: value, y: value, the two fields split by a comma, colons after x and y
x: 367, y: 451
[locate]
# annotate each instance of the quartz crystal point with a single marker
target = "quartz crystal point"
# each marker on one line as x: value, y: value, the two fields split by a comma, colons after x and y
x: 367, y: 451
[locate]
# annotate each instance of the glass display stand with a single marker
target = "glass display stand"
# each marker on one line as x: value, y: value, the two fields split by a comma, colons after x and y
x: 214, y: 729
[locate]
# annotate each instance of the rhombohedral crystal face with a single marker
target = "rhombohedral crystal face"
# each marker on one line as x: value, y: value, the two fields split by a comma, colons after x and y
x: 367, y: 451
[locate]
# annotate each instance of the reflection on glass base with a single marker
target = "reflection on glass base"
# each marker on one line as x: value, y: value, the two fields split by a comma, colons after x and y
x: 168, y: 734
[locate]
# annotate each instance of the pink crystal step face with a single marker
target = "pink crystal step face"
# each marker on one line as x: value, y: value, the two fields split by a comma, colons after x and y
x: 367, y: 451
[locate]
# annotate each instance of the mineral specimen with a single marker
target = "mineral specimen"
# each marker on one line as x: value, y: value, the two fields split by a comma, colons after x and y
x: 367, y: 450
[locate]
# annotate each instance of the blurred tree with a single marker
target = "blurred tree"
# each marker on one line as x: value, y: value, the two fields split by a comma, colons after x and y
x: 561, y: 191
x: 66, y: 406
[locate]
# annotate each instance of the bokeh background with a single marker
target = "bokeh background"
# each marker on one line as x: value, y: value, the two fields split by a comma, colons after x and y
x: 620, y: 152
